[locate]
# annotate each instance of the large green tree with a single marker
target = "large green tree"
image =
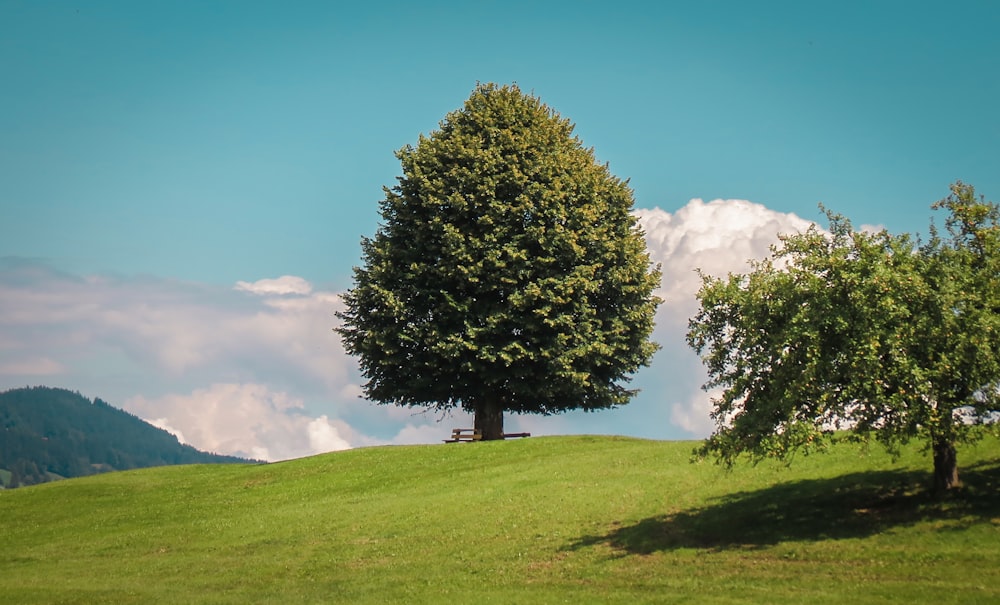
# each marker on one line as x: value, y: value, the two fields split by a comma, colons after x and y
x: 507, y: 275
x: 872, y: 333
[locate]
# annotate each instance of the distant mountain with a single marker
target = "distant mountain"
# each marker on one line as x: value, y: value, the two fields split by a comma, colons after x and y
x: 48, y: 434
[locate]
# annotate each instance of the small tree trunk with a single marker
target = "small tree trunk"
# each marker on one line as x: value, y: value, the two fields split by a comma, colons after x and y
x: 945, y: 465
x: 489, y: 419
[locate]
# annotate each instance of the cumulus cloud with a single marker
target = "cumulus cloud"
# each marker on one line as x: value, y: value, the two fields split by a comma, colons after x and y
x: 163, y: 423
x: 62, y: 323
x: 413, y: 434
x: 244, y: 419
x: 324, y: 436
x: 718, y: 237
x: 286, y: 284
x: 693, y: 414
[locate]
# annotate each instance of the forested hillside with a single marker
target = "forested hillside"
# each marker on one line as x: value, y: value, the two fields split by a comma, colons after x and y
x: 50, y: 433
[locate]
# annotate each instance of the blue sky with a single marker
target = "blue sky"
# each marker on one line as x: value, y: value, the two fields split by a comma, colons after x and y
x: 155, y: 154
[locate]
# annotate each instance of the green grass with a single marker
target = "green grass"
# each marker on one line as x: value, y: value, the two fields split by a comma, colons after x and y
x: 539, y: 520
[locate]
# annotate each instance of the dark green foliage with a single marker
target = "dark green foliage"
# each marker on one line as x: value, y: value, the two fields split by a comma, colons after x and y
x: 48, y: 433
x: 508, y: 273
x: 869, y: 332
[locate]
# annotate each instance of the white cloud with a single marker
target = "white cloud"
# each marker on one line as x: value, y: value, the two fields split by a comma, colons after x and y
x: 692, y: 415
x: 413, y: 434
x: 113, y: 328
x: 246, y: 420
x: 324, y: 436
x: 162, y: 423
x: 286, y: 284
x: 351, y: 391
x: 717, y: 237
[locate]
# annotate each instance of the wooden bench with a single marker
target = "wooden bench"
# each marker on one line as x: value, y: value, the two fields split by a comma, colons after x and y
x: 464, y: 435
x: 470, y: 435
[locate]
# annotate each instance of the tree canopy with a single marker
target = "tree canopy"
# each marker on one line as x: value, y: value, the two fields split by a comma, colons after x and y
x: 877, y: 334
x: 507, y: 273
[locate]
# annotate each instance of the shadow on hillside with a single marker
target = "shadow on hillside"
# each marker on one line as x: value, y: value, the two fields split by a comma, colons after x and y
x: 850, y: 506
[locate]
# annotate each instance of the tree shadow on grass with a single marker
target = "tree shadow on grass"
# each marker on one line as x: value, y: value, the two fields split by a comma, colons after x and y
x: 850, y: 506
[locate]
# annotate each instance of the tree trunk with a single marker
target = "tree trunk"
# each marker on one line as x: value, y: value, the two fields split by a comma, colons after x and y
x: 945, y: 465
x: 489, y: 419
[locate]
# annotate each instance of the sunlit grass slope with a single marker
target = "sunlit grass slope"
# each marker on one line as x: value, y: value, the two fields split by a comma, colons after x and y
x: 538, y: 520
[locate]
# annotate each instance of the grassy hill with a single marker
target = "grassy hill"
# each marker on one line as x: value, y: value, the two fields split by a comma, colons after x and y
x: 539, y: 520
